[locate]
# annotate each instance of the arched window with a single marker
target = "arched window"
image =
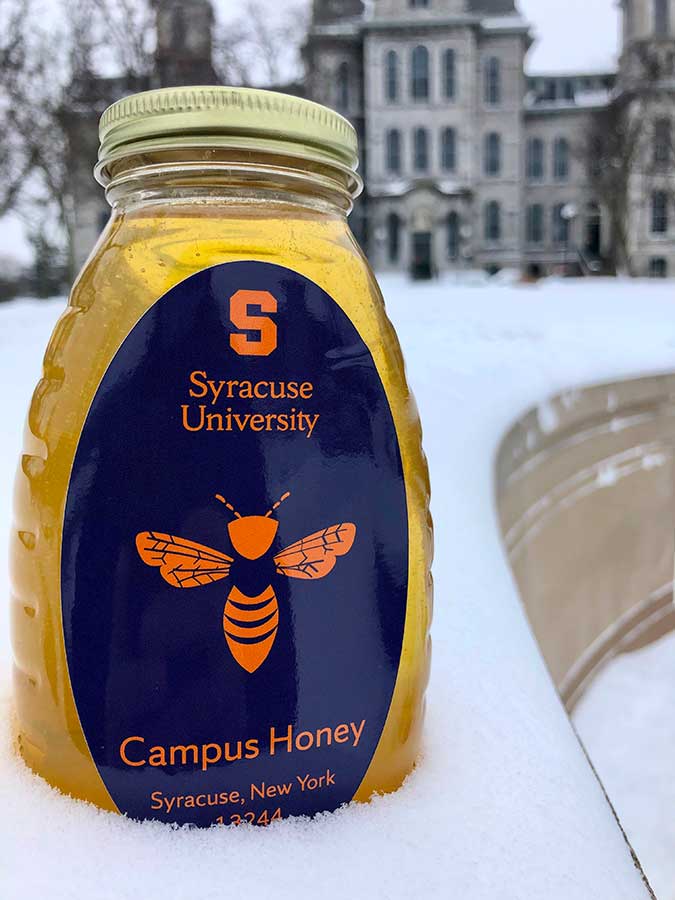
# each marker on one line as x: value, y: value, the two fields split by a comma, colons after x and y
x: 493, y: 82
x: 492, y: 156
x: 454, y: 235
x: 658, y: 267
x: 661, y: 17
x: 394, y: 150
x: 534, y: 159
x: 449, y: 74
x: 393, y: 237
x: 663, y: 138
x: 534, y: 224
x: 391, y: 76
x: 561, y: 159
x: 419, y: 86
x: 561, y: 225
x: 493, y: 221
x: 421, y: 150
x: 449, y: 149
x: 660, y: 212
x: 342, y: 86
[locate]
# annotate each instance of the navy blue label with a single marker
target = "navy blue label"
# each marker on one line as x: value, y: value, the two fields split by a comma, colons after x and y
x: 235, y: 555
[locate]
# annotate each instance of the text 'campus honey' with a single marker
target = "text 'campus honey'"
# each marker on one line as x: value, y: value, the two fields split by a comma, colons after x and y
x: 220, y: 561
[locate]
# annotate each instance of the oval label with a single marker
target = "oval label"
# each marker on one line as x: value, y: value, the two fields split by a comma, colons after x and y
x: 235, y: 555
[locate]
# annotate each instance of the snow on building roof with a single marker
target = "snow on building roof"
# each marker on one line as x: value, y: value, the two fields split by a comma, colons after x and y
x: 505, y: 23
x: 583, y: 100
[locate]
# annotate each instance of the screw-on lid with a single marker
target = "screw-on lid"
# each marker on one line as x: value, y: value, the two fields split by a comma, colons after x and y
x: 230, y: 117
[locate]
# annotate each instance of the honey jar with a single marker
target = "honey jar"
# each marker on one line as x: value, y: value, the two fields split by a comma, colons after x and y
x: 221, y: 590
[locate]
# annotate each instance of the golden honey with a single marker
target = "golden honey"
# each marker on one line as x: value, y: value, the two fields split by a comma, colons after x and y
x: 133, y: 413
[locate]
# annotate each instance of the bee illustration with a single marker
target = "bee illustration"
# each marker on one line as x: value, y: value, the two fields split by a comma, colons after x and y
x: 250, y: 623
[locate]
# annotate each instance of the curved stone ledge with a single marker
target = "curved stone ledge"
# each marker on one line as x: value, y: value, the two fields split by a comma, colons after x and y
x: 585, y: 497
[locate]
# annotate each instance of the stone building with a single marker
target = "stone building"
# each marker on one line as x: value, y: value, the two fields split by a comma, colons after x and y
x: 469, y: 161
x: 184, y: 55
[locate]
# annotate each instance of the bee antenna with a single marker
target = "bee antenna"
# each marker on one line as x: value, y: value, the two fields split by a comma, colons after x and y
x: 229, y: 506
x: 278, y: 504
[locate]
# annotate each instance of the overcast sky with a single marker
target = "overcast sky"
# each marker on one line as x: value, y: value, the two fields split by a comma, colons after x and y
x: 571, y: 34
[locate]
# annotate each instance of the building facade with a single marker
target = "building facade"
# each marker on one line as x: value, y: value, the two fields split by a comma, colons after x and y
x: 469, y: 162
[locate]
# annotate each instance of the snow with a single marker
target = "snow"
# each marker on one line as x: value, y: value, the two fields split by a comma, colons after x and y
x: 637, y: 769
x: 503, y: 804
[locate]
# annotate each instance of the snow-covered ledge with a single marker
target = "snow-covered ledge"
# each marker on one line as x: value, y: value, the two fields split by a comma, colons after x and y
x: 504, y: 805
x: 586, y: 499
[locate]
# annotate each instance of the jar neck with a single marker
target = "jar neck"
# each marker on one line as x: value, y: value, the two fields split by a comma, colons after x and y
x: 228, y: 178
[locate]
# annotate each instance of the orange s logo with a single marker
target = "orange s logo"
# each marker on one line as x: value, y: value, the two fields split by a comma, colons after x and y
x: 265, y: 341
x: 250, y: 623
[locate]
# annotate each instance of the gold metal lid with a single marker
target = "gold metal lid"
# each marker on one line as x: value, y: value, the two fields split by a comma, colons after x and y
x: 230, y: 117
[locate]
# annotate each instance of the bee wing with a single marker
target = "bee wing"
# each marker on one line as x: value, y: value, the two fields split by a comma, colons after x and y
x: 183, y: 564
x: 315, y: 556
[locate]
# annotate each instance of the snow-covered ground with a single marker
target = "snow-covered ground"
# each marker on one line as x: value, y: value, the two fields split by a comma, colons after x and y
x: 502, y: 805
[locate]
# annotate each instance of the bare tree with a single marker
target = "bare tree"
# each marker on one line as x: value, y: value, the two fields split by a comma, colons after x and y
x: 610, y: 152
x: 619, y: 144
x: 95, y: 48
x: 54, y: 77
x: 261, y: 50
x: 17, y: 159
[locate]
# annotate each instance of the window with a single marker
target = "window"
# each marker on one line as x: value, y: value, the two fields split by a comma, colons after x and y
x: 493, y: 82
x: 561, y: 225
x: 561, y: 159
x: 421, y: 150
x: 391, y: 76
x: 492, y: 156
x: 449, y: 75
x: 419, y: 87
x: 419, y: 4
x: 534, y: 159
x: 454, y: 235
x: 662, y: 141
x: 550, y: 90
x: 660, y: 212
x: 393, y: 237
x: 493, y: 221
x: 658, y: 267
x: 661, y: 17
x: 534, y: 224
x: 568, y: 89
x: 449, y: 149
x: 394, y: 150
x: 342, y: 86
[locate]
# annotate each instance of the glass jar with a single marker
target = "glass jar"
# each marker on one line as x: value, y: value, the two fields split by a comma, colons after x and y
x: 220, y: 559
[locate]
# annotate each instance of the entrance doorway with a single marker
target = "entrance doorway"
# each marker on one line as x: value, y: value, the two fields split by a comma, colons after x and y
x: 422, y: 264
x: 593, y: 231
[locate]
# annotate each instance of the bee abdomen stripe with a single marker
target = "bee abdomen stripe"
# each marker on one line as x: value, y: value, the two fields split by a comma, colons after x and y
x: 253, y: 632
x: 237, y: 597
x: 250, y: 640
x: 251, y: 623
x: 241, y: 616
x: 254, y: 607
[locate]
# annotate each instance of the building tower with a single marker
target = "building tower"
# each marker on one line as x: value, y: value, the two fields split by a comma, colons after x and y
x: 335, y: 75
x: 184, y: 43
x: 647, y: 84
x: 325, y: 12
